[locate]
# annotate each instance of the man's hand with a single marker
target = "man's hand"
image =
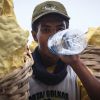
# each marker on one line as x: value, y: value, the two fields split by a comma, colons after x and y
x: 71, y: 59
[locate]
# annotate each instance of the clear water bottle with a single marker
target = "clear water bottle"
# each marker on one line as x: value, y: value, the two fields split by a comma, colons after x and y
x: 67, y: 42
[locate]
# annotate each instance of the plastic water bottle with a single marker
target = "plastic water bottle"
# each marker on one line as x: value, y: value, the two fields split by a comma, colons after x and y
x: 67, y: 42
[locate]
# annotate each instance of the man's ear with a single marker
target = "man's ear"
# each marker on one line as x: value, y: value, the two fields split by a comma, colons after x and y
x: 34, y: 35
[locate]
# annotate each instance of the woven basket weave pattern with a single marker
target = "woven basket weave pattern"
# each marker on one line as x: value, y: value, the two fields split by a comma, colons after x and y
x: 15, y: 86
x: 91, y: 58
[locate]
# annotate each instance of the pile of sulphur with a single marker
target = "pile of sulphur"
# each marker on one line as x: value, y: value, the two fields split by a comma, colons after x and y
x: 13, y: 39
x: 93, y: 36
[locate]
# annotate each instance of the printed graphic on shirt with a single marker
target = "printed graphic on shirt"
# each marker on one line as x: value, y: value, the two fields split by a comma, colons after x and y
x: 50, y: 95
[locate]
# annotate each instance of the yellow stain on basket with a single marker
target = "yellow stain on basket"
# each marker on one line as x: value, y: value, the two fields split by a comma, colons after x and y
x: 13, y: 38
x: 33, y: 45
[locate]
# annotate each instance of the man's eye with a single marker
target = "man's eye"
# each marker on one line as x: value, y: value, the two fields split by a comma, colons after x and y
x: 45, y: 30
x: 61, y: 28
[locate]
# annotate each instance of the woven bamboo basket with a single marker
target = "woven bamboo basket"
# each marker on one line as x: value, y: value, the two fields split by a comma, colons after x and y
x: 91, y: 58
x: 15, y: 86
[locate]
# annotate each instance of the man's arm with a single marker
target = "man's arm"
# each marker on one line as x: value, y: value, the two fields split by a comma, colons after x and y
x: 91, y: 84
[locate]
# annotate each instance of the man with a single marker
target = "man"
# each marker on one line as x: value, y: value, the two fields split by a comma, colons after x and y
x: 54, y: 76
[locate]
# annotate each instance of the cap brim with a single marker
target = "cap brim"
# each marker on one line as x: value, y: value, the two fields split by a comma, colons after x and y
x: 45, y: 13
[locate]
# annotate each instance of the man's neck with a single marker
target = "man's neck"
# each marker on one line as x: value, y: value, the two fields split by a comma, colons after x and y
x: 49, y: 61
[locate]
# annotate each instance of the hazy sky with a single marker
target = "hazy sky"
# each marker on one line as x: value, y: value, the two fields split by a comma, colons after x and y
x: 83, y: 13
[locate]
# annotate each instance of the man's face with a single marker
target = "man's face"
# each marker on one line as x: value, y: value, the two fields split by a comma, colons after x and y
x: 48, y: 26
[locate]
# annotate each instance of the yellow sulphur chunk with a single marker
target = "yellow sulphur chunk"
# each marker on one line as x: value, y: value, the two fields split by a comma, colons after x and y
x: 93, y: 36
x: 13, y: 39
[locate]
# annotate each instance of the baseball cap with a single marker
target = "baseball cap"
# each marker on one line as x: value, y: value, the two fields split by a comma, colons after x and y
x: 48, y: 7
